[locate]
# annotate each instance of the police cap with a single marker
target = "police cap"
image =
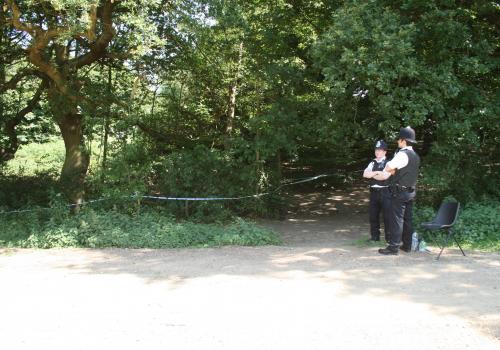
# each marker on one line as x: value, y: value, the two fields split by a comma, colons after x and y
x: 407, y: 134
x: 381, y: 145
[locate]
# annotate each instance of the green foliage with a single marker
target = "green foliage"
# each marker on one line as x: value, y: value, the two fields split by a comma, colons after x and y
x: 127, y: 172
x: 17, y: 192
x: 98, y: 229
x: 38, y: 158
x: 200, y: 172
x: 478, y: 224
x: 215, y: 96
x: 433, y: 65
x: 369, y: 63
x: 422, y: 214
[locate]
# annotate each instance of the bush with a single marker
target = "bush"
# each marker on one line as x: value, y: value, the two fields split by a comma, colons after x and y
x: 99, y: 228
x: 203, y: 172
x: 22, y: 191
x: 198, y: 172
x: 38, y: 158
x: 478, y: 224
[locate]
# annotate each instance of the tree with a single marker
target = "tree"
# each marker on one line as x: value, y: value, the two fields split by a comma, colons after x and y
x: 18, y: 86
x: 63, y: 41
x: 433, y: 65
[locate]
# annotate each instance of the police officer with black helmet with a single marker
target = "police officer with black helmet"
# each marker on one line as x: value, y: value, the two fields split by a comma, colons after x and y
x: 403, y: 170
x: 378, y: 197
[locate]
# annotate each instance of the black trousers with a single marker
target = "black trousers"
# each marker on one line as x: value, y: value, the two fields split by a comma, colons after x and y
x: 379, y: 203
x: 400, y: 216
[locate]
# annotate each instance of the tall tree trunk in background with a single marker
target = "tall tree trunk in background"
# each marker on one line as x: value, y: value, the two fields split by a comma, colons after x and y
x: 106, y: 123
x: 3, y: 157
x: 2, y: 68
x: 233, y: 91
x: 277, y: 165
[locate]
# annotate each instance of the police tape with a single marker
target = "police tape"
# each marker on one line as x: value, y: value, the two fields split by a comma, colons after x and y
x: 233, y: 198
x: 165, y: 198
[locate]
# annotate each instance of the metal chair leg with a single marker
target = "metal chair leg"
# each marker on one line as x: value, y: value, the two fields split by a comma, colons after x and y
x: 440, y: 253
x: 459, y: 246
x: 444, y: 244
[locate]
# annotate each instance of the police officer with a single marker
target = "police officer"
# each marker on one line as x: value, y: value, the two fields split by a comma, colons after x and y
x: 378, y: 197
x: 402, y: 186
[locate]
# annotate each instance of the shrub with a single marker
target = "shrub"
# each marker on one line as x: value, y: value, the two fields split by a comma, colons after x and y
x: 197, y: 172
x: 478, y: 224
x: 99, y: 228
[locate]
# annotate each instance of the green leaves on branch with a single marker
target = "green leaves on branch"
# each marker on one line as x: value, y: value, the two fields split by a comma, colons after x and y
x: 426, y: 64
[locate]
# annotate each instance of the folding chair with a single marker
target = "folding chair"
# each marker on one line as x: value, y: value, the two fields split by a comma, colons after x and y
x: 444, y: 220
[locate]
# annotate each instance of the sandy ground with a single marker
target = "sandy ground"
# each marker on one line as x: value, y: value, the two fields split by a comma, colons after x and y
x: 317, y: 291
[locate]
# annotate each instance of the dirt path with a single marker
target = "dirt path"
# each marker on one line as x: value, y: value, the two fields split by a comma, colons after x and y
x: 318, y: 291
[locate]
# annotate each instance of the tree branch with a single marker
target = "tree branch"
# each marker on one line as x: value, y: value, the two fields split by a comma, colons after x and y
x: 35, y: 55
x: 31, y: 104
x: 12, y: 83
x: 168, y: 139
x: 41, y: 39
x: 91, y: 31
x: 61, y: 54
x: 8, y: 152
x: 98, y: 47
x: 18, y: 24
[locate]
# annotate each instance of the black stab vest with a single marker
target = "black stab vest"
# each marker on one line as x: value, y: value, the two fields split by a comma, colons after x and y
x: 408, y: 175
x: 378, y: 167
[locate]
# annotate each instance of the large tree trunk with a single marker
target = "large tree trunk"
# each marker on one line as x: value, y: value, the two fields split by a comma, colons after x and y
x: 64, y: 107
x: 76, y: 161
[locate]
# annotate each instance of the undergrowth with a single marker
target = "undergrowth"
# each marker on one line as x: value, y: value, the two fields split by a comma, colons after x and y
x: 99, y: 229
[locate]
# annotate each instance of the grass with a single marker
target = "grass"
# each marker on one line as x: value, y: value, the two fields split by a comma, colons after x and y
x: 37, y: 158
x: 44, y: 158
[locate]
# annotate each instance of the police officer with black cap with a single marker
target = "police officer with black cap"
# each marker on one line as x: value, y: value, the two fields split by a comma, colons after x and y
x: 403, y: 169
x: 378, y: 197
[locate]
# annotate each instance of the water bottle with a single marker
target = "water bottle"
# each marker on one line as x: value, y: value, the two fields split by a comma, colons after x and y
x: 423, y: 247
x: 414, y: 241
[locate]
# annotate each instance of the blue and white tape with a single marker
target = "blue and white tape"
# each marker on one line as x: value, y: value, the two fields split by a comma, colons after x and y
x: 166, y: 198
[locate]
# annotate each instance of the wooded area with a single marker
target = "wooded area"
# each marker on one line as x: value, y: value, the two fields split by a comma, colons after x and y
x: 218, y: 97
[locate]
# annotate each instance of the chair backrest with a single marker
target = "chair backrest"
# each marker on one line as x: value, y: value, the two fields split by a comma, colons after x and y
x: 447, y: 214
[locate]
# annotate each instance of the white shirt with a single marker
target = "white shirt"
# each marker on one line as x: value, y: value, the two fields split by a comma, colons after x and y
x: 400, y: 159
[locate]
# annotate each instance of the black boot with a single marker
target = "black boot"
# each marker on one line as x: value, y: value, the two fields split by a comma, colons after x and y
x: 405, y: 249
x: 388, y: 251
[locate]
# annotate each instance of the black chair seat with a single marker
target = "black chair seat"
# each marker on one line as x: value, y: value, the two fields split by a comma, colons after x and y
x: 445, y: 219
x: 433, y: 226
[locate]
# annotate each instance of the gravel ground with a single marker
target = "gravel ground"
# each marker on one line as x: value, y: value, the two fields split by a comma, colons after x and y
x: 317, y: 291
